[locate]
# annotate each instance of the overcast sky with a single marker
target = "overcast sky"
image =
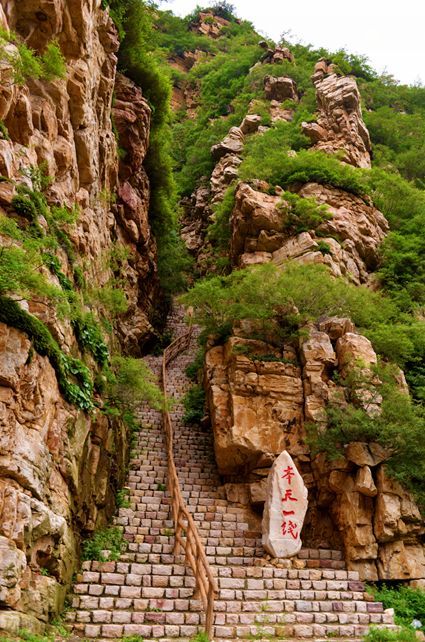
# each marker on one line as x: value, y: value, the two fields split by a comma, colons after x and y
x: 391, y: 33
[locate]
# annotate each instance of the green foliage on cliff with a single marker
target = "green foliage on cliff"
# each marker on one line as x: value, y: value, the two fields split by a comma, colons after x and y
x: 291, y: 296
x: 307, y: 166
x: 399, y: 427
x: 74, y: 378
x: 302, y: 214
x: 141, y: 60
x: 26, y: 64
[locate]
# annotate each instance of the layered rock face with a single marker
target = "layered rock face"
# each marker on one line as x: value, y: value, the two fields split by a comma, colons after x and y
x: 352, y: 235
x: 59, y: 466
x: 340, y: 126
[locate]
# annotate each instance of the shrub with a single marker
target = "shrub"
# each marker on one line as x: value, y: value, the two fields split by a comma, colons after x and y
x: 194, y: 405
x: 89, y: 337
x: 26, y: 64
x: 4, y: 132
x: 192, y: 370
x: 408, y: 603
x: 219, y: 231
x: 54, y: 266
x: 131, y: 383
x: 400, y: 428
x: 122, y: 498
x: 386, y: 635
x: 302, y: 214
x: 53, y: 62
x: 220, y: 301
x: 304, y: 167
x: 73, y: 376
x: 110, y: 539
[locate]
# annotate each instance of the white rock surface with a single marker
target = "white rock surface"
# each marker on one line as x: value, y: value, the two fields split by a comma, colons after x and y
x: 285, y: 508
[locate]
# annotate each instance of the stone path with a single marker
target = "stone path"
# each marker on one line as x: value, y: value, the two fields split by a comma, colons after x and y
x: 149, y: 591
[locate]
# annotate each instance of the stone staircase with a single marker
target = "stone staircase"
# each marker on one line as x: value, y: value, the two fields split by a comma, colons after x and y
x: 150, y: 592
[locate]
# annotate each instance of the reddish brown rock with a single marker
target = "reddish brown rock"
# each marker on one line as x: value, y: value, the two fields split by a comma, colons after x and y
x: 280, y: 88
x: 340, y: 125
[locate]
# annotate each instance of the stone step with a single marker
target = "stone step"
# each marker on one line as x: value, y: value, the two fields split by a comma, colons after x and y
x: 256, y: 637
x: 227, y: 632
x: 248, y: 572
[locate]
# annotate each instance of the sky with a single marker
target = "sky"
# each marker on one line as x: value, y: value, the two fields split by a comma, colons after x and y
x: 391, y: 33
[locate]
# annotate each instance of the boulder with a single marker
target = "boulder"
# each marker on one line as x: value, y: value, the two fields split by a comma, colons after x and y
x: 280, y: 88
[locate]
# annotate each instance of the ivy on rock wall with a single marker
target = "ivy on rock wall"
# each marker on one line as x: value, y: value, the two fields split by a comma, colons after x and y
x: 141, y: 60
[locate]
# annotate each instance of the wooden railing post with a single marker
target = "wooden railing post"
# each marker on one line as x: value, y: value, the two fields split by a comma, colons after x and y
x: 195, y: 555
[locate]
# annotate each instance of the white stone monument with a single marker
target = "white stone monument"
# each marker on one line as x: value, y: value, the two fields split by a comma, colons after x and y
x: 285, y: 508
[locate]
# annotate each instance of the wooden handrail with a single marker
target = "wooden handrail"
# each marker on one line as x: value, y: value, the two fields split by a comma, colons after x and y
x: 186, y: 532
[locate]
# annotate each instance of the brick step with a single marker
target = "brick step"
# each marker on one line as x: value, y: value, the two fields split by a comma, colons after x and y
x: 256, y: 637
x: 250, y: 587
x: 250, y: 572
x: 307, y: 606
x: 227, y: 632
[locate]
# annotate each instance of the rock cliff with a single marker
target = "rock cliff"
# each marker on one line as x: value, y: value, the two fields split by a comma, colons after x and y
x: 60, y: 466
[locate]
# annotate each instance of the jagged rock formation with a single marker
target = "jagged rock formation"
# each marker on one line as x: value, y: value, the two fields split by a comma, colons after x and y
x: 340, y: 126
x: 259, y: 234
x: 60, y: 466
x: 228, y: 156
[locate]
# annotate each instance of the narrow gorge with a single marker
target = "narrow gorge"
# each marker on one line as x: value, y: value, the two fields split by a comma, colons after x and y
x: 257, y: 208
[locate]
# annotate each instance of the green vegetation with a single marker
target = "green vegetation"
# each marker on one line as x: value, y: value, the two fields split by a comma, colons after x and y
x: 408, y: 603
x: 307, y: 166
x: 128, y: 383
x: 26, y: 64
x: 108, y: 539
x: 142, y: 61
x: 219, y: 230
x: 122, y: 498
x: 200, y: 637
x: 194, y: 405
x: 73, y: 376
x: 300, y: 294
x: 220, y: 301
x: 400, y: 427
x: 192, y: 370
x: 90, y: 338
x: 384, y: 635
x: 302, y: 214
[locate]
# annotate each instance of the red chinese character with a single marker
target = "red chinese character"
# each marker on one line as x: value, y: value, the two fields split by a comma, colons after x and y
x: 291, y: 530
x: 288, y: 496
x: 285, y: 513
x: 288, y: 473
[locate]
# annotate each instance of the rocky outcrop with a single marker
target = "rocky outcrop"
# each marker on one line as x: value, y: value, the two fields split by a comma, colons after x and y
x: 280, y: 88
x: 339, y: 126
x: 348, y: 242
x: 59, y: 466
x: 261, y: 398
x: 209, y: 24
